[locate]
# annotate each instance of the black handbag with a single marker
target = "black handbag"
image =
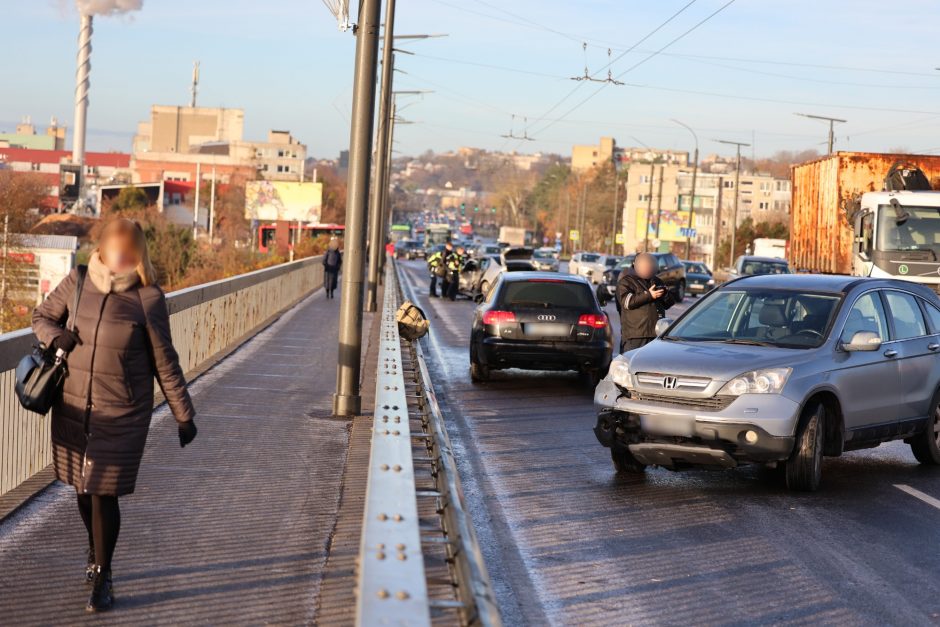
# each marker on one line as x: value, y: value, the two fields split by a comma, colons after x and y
x: 40, y: 375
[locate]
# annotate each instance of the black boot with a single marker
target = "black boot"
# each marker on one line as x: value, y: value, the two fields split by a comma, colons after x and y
x: 90, y: 566
x: 101, y: 598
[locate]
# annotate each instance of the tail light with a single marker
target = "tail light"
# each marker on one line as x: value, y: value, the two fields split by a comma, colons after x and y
x: 498, y: 317
x: 595, y: 321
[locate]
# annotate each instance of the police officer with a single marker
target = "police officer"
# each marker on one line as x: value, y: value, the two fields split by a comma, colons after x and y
x: 454, y: 266
x: 642, y: 299
x: 445, y: 278
x: 437, y: 269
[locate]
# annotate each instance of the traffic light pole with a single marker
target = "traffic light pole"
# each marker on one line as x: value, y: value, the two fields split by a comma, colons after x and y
x: 379, y: 181
x: 347, y: 400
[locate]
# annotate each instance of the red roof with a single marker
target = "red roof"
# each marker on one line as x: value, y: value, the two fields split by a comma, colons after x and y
x: 97, y: 159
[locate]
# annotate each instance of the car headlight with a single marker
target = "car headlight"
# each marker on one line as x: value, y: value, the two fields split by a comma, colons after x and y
x: 710, y: 282
x: 620, y: 372
x: 766, y: 381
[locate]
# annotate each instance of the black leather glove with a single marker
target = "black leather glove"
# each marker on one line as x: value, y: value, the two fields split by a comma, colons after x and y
x: 187, y: 432
x: 67, y: 341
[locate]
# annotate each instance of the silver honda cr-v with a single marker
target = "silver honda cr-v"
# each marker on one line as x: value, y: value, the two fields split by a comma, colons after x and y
x: 780, y: 369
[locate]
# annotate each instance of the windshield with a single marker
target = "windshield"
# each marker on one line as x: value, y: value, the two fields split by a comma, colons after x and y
x: 544, y: 254
x: 921, y: 231
x: 696, y: 268
x: 611, y: 262
x: 782, y: 318
x: 754, y: 267
x: 589, y: 257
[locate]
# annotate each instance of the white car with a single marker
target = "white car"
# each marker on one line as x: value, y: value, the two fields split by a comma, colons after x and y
x: 592, y: 265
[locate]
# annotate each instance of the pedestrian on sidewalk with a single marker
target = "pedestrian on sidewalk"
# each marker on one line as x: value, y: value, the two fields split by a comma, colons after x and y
x: 642, y: 299
x: 120, y: 343
x: 332, y: 262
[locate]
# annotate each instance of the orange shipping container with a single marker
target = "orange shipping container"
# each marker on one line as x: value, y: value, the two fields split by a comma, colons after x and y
x: 821, y: 232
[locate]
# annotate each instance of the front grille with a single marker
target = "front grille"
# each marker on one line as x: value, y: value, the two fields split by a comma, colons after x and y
x: 714, y: 403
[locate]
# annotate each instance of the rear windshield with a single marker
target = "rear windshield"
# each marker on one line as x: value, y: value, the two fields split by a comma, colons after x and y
x: 610, y: 262
x: 589, y: 257
x: 544, y: 254
x: 547, y: 294
x: 753, y: 267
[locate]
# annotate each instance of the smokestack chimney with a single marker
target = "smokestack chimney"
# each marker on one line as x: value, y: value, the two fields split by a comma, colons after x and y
x: 82, y: 85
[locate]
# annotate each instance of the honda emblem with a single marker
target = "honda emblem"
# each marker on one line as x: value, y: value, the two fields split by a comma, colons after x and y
x: 670, y: 383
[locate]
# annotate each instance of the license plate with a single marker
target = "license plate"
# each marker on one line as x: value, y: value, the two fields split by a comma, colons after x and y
x: 657, y: 424
x: 546, y: 329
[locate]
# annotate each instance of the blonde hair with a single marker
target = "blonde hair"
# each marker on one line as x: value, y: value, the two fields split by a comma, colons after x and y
x: 132, y: 231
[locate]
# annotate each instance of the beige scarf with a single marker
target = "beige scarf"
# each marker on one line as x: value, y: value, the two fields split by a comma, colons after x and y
x: 107, y: 281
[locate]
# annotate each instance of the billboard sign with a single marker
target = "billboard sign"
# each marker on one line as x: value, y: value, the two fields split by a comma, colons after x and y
x: 283, y: 200
x: 673, y: 226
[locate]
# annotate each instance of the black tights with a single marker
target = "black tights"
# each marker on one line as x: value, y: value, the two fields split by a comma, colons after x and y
x: 102, y: 518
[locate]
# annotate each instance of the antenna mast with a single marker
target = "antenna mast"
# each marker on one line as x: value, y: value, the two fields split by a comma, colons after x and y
x: 195, y: 87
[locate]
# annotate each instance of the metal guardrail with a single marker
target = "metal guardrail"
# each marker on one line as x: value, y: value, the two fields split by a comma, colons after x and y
x: 206, y: 321
x: 392, y: 585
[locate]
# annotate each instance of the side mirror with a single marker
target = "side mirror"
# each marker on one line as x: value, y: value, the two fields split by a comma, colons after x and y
x: 863, y: 341
x: 662, y: 325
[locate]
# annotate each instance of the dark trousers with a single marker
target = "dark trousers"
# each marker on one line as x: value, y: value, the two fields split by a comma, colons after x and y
x: 433, y: 285
x: 629, y: 343
x: 330, y: 278
x: 445, y: 285
x: 452, y: 285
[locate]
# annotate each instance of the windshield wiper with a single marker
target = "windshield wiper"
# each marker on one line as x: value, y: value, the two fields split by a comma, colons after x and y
x: 748, y: 342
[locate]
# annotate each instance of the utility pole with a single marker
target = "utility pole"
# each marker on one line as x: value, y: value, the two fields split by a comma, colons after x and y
x: 613, y: 232
x: 3, y: 280
x: 688, y: 234
x: 347, y: 400
x: 649, y: 208
x: 211, y: 205
x: 194, y: 89
x: 386, y: 177
x: 196, y: 201
x: 376, y: 207
x: 659, y: 199
x: 737, y: 190
x: 832, y: 121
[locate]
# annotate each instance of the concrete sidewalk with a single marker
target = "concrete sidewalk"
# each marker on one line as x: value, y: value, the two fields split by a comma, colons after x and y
x: 234, y: 529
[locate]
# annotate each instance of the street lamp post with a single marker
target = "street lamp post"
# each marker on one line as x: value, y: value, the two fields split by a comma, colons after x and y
x: 347, y: 400
x: 737, y: 190
x: 649, y: 199
x: 376, y: 210
x: 688, y: 234
x: 832, y: 121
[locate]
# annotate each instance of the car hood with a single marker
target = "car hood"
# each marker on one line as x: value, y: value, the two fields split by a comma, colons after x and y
x: 714, y: 360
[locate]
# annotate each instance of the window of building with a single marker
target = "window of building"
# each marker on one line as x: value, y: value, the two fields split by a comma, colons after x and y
x: 35, y: 167
x: 728, y: 184
x: 643, y: 197
x: 763, y: 205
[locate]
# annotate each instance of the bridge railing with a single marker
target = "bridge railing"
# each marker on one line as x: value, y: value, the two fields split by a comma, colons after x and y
x: 392, y: 584
x: 207, y: 321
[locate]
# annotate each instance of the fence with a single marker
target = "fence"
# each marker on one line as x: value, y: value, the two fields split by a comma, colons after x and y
x: 207, y: 321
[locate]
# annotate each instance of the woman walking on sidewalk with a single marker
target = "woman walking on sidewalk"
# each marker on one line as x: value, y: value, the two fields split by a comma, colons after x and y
x: 99, y: 425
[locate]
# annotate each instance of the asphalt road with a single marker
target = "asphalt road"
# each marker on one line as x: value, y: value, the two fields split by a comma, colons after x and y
x: 569, y: 543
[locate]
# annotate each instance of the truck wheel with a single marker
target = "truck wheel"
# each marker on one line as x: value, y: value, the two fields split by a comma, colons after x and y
x: 804, y: 468
x: 478, y: 372
x: 625, y: 463
x: 926, y: 445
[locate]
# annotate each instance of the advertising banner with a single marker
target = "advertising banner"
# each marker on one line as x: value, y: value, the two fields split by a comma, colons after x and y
x: 283, y: 200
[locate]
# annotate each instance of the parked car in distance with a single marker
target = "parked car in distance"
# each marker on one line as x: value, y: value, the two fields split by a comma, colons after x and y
x: 751, y: 265
x: 780, y: 370
x: 540, y: 321
x: 545, y: 259
x: 593, y: 266
x: 698, y: 278
x: 409, y: 249
x: 669, y: 269
x: 484, y: 250
x: 580, y: 263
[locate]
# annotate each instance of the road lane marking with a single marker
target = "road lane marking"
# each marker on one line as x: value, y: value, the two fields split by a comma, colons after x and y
x: 917, y: 494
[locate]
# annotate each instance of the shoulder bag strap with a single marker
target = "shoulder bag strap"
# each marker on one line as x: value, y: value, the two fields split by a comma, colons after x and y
x: 77, y: 296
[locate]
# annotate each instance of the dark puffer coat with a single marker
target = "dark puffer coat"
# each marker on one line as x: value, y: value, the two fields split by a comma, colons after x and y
x: 100, y: 425
x: 639, y: 312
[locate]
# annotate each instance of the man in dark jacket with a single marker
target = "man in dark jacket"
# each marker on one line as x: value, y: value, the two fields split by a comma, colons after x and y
x: 642, y: 299
x: 445, y: 279
x: 332, y: 262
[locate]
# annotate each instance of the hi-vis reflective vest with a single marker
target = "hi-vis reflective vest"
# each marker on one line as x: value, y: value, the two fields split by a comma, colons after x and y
x: 435, y: 260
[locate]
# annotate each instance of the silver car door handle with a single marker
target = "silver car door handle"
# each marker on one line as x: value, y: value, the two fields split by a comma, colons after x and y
x: 891, y: 353
x: 932, y: 347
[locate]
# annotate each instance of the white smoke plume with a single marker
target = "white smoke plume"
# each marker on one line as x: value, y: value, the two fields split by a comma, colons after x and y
x: 108, y: 7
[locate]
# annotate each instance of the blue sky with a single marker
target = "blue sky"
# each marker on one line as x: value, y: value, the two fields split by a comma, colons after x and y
x: 739, y: 76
